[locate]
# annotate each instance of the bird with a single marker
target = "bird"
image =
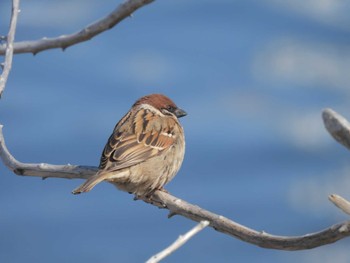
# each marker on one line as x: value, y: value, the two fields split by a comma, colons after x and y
x: 145, y: 150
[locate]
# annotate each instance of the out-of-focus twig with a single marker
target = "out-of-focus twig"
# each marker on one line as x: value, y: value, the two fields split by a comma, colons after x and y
x: 8, y: 47
x: 122, y: 11
x: 337, y: 126
x: 340, y: 202
x: 180, y: 241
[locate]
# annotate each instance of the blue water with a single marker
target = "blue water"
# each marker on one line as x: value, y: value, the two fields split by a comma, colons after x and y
x: 254, y: 77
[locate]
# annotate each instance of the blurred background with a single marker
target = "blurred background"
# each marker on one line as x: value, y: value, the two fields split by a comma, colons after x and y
x: 254, y: 77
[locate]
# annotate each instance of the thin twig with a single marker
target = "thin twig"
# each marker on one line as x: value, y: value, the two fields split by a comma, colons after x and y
x: 180, y: 207
x: 180, y: 241
x: 8, y: 48
x: 124, y: 10
x: 340, y: 202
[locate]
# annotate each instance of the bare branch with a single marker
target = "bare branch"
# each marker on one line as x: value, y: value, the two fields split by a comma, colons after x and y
x: 42, y: 169
x: 122, y: 11
x: 8, y: 48
x: 259, y: 238
x: 340, y: 202
x: 177, y: 206
x: 178, y: 243
x: 337, y: 126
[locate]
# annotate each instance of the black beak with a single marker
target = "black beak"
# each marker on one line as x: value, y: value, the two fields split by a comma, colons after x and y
x: 180, y: 113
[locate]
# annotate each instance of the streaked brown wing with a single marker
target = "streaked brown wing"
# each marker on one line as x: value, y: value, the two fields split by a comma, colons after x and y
x: 137, y: 138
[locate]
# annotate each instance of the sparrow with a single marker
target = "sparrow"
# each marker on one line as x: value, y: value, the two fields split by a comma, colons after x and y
x: 145, y: 150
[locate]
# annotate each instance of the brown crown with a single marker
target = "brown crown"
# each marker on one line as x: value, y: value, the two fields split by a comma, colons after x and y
x: 158, y: 101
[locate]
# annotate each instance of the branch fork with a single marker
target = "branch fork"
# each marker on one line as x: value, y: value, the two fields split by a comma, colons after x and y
x: 177, y: 206
x: 8, y: 46
x: 123, y: 11
x: 336, y: 125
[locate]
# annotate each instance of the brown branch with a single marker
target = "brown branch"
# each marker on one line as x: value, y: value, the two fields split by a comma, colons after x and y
x: 122, y: 11
x: 177, y: 206
x: 8, y: 47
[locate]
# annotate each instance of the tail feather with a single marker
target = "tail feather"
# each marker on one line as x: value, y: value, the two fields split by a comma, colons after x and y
x: 98, y: 178
x: 90, y: 183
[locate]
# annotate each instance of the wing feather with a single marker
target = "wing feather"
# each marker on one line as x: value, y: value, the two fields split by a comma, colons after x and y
x: 146, y: 137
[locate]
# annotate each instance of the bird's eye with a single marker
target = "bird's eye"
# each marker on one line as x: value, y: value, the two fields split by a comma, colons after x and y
x: 170, y: 108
